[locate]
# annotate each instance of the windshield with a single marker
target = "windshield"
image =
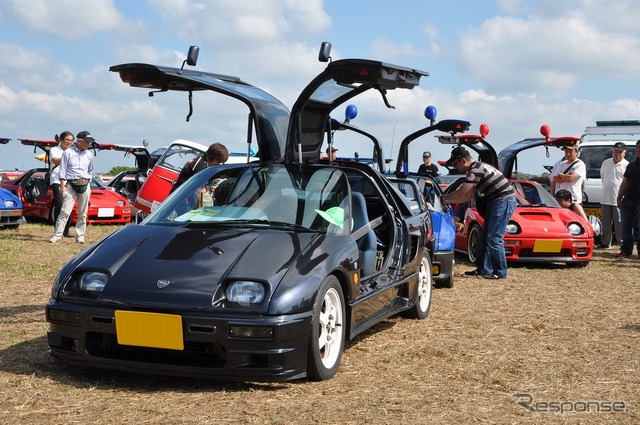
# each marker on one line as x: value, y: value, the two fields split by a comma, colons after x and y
x: 274, y: 196
x: 176, y: 156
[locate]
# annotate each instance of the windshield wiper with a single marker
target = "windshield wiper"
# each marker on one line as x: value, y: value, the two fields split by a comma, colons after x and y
x: 270, y: 223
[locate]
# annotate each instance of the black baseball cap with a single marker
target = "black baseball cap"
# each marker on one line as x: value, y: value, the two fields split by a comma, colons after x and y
x: 426, y: 154
x: 457, y: 153
x: 86, y: 136
x: 620, y: 145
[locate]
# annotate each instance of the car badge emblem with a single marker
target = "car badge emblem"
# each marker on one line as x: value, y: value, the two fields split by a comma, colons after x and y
x: 163, y: 283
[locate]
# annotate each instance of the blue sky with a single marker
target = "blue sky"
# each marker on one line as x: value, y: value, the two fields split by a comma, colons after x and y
x: 512, y: 64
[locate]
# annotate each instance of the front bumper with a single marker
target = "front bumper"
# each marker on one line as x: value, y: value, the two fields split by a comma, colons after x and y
x: 565, y: 251
x: 86, y: 335
x: 442, y: 267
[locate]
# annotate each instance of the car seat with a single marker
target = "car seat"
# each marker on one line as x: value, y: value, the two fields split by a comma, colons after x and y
x: 367, y: 243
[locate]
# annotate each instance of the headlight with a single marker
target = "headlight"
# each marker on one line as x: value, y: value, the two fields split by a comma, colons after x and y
x: 120, y: 203
x: 245, y: 292
x: 9, y: 203
x: 93, y: 281
x: 512, y: 228
x: 575, y: 229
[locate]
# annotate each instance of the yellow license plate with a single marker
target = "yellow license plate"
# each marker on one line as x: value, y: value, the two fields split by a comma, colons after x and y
x: 547, y: 246
x: 153, y: 330
x: 593, y: 211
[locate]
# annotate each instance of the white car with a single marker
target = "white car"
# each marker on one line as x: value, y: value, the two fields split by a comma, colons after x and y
x: 596, y: 145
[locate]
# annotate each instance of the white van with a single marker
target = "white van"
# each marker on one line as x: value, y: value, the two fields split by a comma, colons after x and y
x: 596, y: 145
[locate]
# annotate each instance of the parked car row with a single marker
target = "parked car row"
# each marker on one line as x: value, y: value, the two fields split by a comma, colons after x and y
x: 34, y: 192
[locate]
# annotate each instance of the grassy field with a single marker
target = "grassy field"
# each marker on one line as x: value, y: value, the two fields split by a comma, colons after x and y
x: 549, y: 338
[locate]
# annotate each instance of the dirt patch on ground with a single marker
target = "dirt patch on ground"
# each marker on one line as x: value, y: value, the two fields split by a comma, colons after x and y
x: 548, y: 338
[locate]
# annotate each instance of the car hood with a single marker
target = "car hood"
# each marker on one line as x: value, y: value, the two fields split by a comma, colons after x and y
x: 538, y: 221
x: 165, y: 266
x: 6, y: 196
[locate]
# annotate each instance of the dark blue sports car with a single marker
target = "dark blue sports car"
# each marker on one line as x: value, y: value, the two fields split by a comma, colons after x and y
x: 256, y: 271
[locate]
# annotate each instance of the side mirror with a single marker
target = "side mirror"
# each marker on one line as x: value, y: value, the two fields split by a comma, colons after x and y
x: 192, y: 56
x: 325, y: 52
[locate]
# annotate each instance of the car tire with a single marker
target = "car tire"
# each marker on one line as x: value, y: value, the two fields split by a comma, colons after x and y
x: 420, y: 309
x: 473, y: 243
x: 326, y: 341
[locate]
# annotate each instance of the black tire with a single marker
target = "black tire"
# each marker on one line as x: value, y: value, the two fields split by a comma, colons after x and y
x: 422, y: 305
x: 327, y: 336
x: 473, y: 244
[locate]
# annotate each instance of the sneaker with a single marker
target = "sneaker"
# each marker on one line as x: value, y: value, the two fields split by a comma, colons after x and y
x: 80, y: 240
x: 493, y: 276
x: 622, y: 254
x: 603, y: 246
x: 54, y: 239
x: 476, y: 272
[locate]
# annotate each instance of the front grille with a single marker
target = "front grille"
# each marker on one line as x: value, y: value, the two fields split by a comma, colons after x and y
x: 528, y: 252
x: 195, y: 354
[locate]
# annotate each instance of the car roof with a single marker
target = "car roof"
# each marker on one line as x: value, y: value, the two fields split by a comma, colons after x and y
x: 340, y: 81
x: 269, y: 116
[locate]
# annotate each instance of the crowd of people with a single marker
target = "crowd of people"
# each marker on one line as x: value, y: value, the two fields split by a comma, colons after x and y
x: 71, y: 169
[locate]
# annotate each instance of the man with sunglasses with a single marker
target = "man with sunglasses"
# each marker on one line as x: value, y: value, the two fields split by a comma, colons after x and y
x: 495, y: 201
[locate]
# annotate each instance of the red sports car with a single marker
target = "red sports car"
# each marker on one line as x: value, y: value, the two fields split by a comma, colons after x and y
x: 539, y: 230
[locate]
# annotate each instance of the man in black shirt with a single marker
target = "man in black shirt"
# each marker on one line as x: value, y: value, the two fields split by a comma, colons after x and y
x: 629, y: 204
x: 427, y: 167
x: 216, y: 154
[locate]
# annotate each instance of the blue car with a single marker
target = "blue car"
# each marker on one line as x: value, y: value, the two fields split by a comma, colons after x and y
x: 10, y: 205
x: 426, y: 187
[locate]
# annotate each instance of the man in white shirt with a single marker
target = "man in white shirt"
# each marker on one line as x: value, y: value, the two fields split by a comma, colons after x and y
x: 76, y: 169
x: 611, y: 173
x: 569, y: 174
x: 55, y: 156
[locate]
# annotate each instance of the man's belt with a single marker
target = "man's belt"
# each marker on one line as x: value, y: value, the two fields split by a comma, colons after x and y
x: 79, y: 180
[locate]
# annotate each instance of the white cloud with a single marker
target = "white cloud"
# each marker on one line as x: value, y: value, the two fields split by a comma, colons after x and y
x: 69, y: 19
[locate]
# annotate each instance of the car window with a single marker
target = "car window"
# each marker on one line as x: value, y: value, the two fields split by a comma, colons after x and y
x: 176, y: 156
x: 276, y: 195
x: 594, y: 156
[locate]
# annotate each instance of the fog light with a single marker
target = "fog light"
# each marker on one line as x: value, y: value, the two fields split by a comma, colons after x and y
x: 257, y: 332
x: 63, y: 316
x: 435, y: 269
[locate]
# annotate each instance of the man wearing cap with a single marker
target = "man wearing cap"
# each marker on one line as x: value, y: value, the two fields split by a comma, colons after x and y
x: 629, y: 204
x: 496, y: 196
x: 76, y: 170
x: 569, y: 174
x: 427, y: 167
x: 611, y: 174
x: 216, y: 154
x: 334, y: 153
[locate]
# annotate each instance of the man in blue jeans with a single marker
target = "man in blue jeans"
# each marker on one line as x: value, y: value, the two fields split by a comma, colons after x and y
x: 495, y: 201
x: 629, y: 204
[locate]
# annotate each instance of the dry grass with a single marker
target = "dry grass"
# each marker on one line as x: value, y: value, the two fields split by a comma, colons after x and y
x: 557, y: 333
